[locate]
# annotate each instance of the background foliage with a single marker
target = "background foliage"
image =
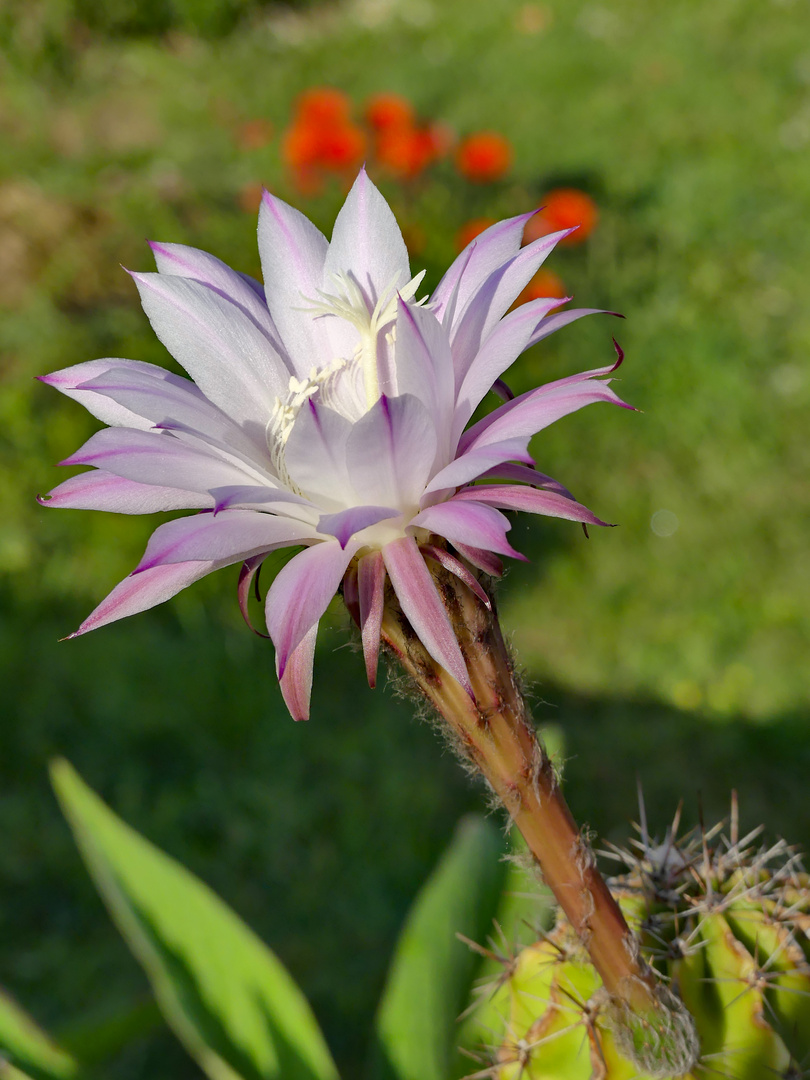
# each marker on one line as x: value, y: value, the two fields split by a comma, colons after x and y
x: 673, y: 647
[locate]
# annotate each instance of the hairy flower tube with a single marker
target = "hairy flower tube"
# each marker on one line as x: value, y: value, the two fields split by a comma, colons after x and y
x: 330, y: 409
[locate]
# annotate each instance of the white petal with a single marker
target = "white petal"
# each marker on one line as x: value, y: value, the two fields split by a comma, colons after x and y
x: 230, y: 360
x: 367, y: 243
x: 292, y: 251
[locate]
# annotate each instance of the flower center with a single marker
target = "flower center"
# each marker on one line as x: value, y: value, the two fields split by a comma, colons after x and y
x: 349, y: 303
x: 351, y: 385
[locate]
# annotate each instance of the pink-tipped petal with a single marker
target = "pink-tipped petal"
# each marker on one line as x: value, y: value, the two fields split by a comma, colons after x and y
x: 491, y: 301
x: 468, y: 523
x: 451, y: 563
x: 247, y: 575
x: 371, y: 595
x: 483, y: 560
x: 71, y: 382
x: 175, y: 403
x: 481, y: 257
x: 296, y: 679
x: 301, y: 593
x: 100, y: 490
x: 232, y: 535
x: 531, y: 500
x: 535, y: 410
x: 479, y: 461
x: 423, y: 608
x: 144, y: 591
x: 150, y: 457
x: 523, y: 474
x: 563, y: 318
x: 346, y: 523
x: 499, y: 351
x: 260, y: 497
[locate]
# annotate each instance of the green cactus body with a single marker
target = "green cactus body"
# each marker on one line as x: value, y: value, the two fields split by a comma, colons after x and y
x: 726, y: 928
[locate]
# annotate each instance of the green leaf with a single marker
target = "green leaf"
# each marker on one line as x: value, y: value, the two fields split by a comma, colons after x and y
x: 25, y: 1046
x: 221, y: 990
x: 429, y: 982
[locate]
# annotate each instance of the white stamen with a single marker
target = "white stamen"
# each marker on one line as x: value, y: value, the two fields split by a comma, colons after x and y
x: 348, y: 303
x: 349, y: 386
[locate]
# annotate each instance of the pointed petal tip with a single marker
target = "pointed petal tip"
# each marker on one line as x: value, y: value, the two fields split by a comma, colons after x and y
x: 619, y: 354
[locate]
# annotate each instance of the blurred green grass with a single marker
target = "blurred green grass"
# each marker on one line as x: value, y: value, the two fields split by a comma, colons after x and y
x: 681, y: 658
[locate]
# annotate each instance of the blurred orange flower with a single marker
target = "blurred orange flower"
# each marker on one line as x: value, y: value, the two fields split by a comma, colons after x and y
x: 384, y: 111
x: 543, y: 284
x: 563, y: 209
x: 323, y: 106
x: 468, y: 232
x: 322, y: 138
x: 484, y: 156
x: 405, y: 151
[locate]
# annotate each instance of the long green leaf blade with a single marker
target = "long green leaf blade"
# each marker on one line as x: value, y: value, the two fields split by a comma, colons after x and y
x: 222, y: 991
x: 25, y: 1046
x: 430, y: 978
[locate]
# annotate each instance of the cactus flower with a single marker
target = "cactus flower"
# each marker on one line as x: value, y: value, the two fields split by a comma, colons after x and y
x: 329, y: 410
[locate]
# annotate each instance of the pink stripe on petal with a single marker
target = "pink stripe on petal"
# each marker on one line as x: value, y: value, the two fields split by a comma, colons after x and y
x: 371, y: 593
x: 179, y: 260
x: 260, y: 497
x: 100, y: 490
x: 491, y: 301
x: 522, y: 474
x: 535, y: 410
x: 177, y: 402
x: 423, y: 608
x: 483, y: 560
x: 391, y: 450
x: 144, y: 591
x: 301, y: 594
x: 531, y: 500
x: 346, y: 523
x: 451, y: 563
x: 232, y: 535
x: 509, y: 338
x: 473, y: 524
x: 149, y: 457
x: 70, y: 381
x: 476, y: 462
x: 296, y: 679
x: 481, y: 257
x: 229, y: 358
x: 423, y: 357
x: 563, y: 318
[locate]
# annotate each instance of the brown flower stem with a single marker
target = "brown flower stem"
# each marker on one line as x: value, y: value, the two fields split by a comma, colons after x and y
x: 496, y: 735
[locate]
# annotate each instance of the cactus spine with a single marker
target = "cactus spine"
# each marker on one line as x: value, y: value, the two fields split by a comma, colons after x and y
x: 724, y: 922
